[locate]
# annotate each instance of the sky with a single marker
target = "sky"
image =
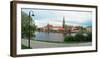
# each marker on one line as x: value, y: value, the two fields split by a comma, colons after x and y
x: 55, y: 17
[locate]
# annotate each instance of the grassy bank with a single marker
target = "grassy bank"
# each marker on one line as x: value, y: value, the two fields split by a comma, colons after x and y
x: 25, y: 47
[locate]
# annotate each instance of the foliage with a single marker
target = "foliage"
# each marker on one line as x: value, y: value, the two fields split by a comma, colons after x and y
x: 26, y: 27
x: 25, y: 47
x: 68, y: 38
x: 79, y: 37
x: 89, y: 37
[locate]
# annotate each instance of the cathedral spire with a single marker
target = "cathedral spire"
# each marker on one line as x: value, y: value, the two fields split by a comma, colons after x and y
x: 63, y: 22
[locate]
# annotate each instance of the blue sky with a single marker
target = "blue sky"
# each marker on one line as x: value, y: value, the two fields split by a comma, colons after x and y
x: 54, y: 17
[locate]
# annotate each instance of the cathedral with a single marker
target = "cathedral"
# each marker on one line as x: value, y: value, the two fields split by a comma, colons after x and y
x: 59, y: 28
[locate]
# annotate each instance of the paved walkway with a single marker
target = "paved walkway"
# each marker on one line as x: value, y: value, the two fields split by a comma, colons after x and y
x: 40, y: 44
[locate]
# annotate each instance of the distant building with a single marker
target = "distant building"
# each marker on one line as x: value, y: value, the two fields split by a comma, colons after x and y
x: 89, y: 28
x: 64, y: 28
x: 51, y: 27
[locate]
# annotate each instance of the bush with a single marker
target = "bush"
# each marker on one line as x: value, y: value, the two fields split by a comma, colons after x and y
x: 89, y: 37
x: 25, y: 47
x: 68, y: 38
x: 79, y: 37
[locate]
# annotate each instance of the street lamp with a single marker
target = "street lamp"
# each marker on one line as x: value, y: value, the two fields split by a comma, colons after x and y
x: 31, y: 13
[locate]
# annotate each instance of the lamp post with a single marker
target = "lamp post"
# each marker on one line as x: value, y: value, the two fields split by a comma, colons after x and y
x: 31, y: 13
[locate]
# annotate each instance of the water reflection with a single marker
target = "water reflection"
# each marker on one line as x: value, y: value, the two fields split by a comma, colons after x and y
x: 45, y: 36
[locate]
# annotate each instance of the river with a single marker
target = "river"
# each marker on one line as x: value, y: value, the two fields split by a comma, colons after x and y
x: 45, y: 36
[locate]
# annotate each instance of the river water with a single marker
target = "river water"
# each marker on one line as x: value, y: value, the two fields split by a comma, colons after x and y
x: 45, y: 36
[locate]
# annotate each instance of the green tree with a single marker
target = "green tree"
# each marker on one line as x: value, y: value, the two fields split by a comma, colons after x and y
x: 26, y: 27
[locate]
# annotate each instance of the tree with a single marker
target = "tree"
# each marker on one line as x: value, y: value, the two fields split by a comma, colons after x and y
x: 25, y: 24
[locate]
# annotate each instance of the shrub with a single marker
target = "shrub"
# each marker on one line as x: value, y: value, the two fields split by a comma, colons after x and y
x: 68, y: 38
x: 79, y: 37
x: 89, y: 37
x: 25, y: 47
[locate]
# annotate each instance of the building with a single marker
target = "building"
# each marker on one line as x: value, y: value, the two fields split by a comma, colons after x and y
x: 89, y: 28
x: 51, y: 27
x: 64, y: 28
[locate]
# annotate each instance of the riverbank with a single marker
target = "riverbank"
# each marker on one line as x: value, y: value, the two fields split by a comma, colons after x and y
x: 40, y: 44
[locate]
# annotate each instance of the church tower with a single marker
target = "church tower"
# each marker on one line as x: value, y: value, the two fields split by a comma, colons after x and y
x: 63, y: 23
